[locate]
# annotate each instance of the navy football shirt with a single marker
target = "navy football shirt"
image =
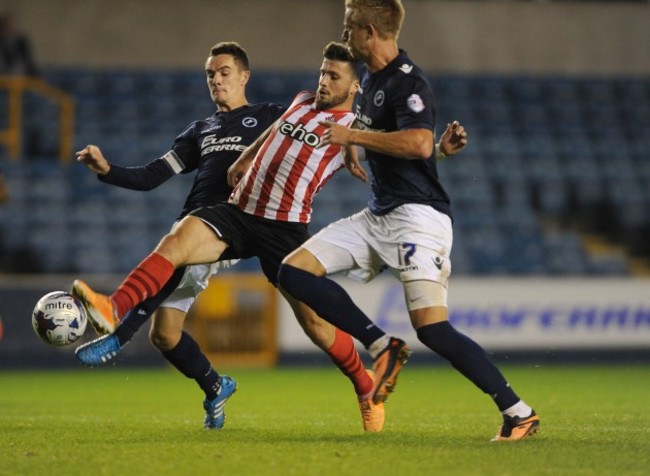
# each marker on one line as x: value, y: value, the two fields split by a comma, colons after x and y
x: 399, y: 97
x: 209, y: 147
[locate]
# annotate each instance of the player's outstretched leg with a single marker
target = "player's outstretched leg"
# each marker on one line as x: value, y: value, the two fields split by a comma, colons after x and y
x: 105, y: 348
x: 99, y: 351
x: 100, y: 308
x: 372, y: 414
x: 215, y: 415
x: 145, y: 280
x: 517, y: 428
x: 387, y: 365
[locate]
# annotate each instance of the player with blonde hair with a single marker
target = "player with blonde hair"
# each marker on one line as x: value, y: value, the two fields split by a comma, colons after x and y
x: 407, y: 225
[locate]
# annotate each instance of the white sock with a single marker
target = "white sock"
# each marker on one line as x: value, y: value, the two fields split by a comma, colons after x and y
x: 519, y: 409
x: 377, y: 346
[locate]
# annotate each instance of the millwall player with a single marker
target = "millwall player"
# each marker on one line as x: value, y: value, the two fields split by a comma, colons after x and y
x: 407, y: 225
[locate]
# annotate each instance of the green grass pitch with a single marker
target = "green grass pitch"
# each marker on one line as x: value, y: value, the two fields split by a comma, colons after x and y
x: 305, y: 421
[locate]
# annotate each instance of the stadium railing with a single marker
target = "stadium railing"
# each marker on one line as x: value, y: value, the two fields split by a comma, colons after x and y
x: 12, y: 136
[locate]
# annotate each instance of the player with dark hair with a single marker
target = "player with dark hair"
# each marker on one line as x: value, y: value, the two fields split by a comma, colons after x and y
x: 210, y: 147
x: 207, y: 147
x: 407, y: 225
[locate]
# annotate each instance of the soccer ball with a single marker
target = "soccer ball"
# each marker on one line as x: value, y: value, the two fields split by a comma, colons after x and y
x: 59, y: 318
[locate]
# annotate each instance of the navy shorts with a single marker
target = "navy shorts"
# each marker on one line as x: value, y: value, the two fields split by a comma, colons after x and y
x: 249, y: 235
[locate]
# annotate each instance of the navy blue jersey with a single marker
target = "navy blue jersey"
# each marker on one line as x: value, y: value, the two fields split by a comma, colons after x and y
x: 209, y: 147
x: 399, y: 97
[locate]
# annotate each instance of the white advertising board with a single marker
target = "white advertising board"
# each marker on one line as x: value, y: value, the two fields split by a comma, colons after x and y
x: 510, y: 313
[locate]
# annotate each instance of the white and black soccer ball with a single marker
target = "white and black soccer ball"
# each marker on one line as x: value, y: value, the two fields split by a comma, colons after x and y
x: 59, y: 318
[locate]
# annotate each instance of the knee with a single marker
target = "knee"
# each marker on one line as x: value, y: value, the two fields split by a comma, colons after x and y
x: 170, y: 247
x: 163, y: 340
x: 287, y: 276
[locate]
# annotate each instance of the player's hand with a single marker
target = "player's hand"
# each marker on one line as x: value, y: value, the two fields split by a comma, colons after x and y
x: 351, y: 158
x: 91, y: 156
x: 334, y: 134
x: 237, y: 170
x: 454, y: 139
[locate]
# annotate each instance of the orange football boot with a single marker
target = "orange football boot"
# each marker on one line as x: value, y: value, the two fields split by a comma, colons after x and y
x: 372, y: 414
x: 516, y: 428
x: 387, y: 366
x: 99, y: 307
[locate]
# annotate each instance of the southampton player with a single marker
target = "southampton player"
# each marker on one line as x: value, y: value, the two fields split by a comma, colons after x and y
x: 206, y: 147
x: 407, y: 225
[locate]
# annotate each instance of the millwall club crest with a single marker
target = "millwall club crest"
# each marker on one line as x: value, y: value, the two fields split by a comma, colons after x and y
x: 379, y: 98
x: 249, y: 122
x: 414, y: 103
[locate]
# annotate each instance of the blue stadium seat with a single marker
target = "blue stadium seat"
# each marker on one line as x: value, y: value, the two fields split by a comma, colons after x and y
x: 461, y: 259
x: 564, y: 254
x: 608, y: 265
x: 553, y: 198
x: 572, y: 151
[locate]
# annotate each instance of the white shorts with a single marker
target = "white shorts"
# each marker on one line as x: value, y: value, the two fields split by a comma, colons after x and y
x: 413, y: 240
x: 195, y: 280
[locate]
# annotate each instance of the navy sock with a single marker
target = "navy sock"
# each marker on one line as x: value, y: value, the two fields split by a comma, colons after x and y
x: 469, y: 359
x: 136, y: 317
x: 191, y: 362
x: 329, y: 301
x: 130, y: 324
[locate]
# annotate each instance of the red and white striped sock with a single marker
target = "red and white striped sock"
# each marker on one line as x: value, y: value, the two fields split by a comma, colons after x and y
x: 143, y: 282
x: 346, y: 358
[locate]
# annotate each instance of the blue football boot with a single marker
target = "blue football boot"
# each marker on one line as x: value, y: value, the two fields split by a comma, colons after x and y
x: 99, y: 351
x: 214, y: 409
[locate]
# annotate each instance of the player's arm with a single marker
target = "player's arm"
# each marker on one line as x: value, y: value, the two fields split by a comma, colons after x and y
x: 405, y: 144
x: 143, y: 178
x: 240, y: 166
x: 352, y: 162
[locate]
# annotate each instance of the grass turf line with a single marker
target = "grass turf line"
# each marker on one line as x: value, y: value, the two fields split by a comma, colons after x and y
x: 305, y: 421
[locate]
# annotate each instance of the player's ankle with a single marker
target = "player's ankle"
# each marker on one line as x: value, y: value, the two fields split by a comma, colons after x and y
x: 377, y: 346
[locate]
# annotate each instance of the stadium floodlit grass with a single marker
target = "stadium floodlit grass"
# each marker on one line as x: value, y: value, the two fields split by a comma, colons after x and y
x: 304, y: 421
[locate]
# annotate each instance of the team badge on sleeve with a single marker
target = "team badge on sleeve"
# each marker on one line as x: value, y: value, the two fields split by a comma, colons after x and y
x: 415, y: 103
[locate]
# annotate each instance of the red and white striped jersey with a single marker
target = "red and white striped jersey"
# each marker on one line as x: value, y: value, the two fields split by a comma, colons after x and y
x: 289, y: 169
